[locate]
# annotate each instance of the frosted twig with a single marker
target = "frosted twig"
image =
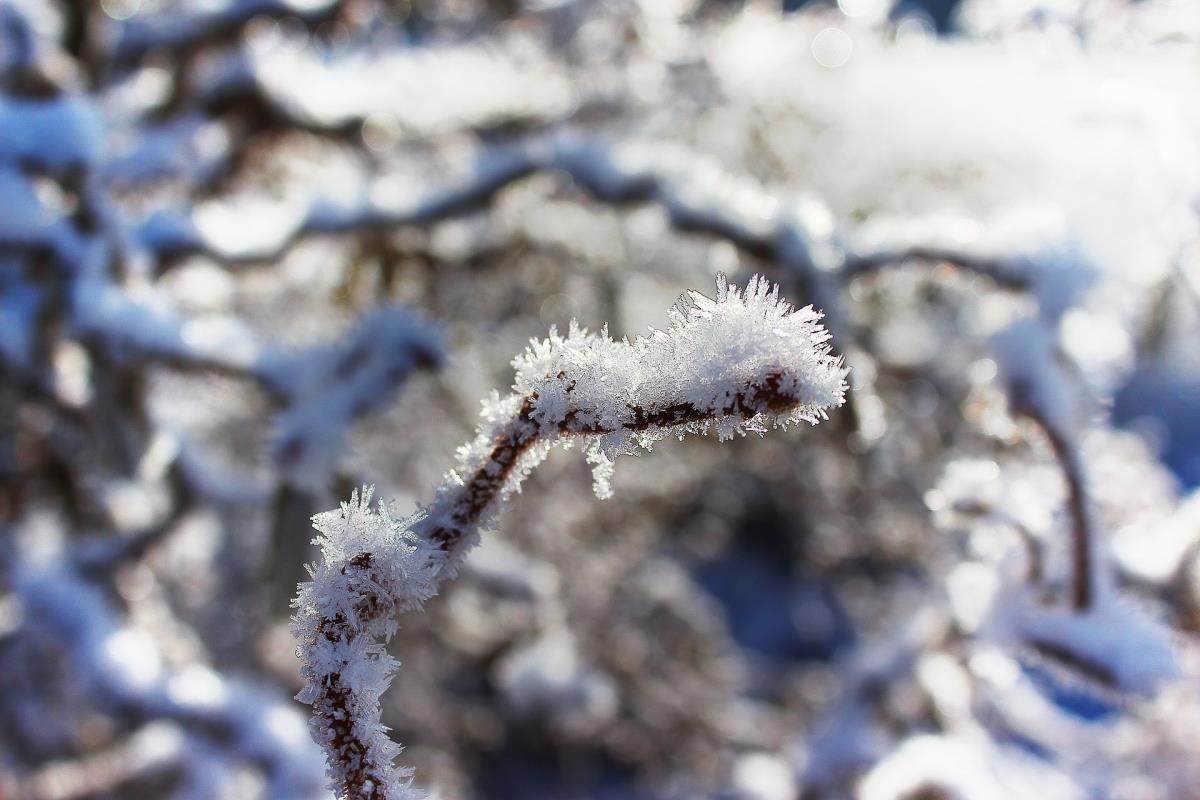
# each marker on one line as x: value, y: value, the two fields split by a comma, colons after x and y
x: 739, y: 363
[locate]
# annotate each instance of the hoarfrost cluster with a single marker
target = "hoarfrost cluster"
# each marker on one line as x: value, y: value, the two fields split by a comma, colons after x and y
x: 735, y: 363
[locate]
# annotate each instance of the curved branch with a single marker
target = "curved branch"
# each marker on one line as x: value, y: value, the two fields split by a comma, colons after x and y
x: 696, y: 193
x: 362, y: 770
x: 482, y: 491
x: 1081, y: 522
x: 1004, y: 272
x: 735, y: 363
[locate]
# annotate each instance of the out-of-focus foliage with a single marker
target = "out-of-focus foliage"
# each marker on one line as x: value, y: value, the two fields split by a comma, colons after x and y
x: 254, y: 253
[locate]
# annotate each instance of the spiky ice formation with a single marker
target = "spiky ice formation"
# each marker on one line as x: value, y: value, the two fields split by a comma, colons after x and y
x: 742, y: 362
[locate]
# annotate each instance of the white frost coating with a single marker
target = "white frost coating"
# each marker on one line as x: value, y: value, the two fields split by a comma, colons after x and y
x: 713, y: 350
x: 342, y: 638
x: 744, y: 361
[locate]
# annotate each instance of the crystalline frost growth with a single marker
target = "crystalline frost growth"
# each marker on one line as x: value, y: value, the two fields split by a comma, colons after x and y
x: 373, y: 567
x: 736, y: 363
x: 743, y: 361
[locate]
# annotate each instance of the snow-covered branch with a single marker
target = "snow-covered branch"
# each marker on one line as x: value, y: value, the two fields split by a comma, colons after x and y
x: 126, y: 672
x: 698, y: 194
x: 191, y: 28
x: 739, y: 363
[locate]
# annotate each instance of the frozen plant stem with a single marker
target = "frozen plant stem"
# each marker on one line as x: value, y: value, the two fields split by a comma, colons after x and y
x: 478, y: 494
x: 1038, y: 389
x: 739, y: 363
